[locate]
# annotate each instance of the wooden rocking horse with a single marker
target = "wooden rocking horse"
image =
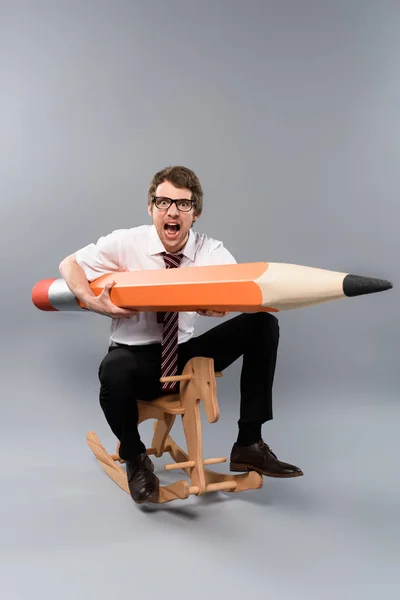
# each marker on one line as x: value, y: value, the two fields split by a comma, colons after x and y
x: 197, y: 384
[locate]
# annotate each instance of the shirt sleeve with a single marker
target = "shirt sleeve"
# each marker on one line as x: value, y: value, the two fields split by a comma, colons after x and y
x: 101, y: 257
x: 219, y: 255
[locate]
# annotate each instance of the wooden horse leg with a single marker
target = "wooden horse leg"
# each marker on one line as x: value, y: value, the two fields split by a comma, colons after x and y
x: 215, y: 481
x: 161, y: 432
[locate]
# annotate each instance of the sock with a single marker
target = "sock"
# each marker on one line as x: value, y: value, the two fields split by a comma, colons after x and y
x: 249, y: 433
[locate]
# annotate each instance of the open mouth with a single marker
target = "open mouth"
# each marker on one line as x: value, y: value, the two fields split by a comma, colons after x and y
x: 172, y: 229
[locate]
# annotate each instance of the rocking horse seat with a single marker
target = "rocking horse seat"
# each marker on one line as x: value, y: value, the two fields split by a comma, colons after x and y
x: 170, y: 404
x: 197, y: 385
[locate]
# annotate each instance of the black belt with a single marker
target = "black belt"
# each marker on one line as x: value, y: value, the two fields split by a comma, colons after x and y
x: 136, y: 347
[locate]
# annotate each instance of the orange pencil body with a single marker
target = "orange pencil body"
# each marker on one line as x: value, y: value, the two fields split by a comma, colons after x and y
x: 220, y: 288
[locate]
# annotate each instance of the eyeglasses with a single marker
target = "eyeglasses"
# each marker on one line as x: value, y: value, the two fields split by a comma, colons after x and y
x: 163, y: 203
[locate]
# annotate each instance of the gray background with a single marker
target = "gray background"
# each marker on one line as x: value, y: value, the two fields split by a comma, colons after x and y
x: 289, y: 113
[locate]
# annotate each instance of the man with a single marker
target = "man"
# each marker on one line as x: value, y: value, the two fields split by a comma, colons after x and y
x: 145, y: 346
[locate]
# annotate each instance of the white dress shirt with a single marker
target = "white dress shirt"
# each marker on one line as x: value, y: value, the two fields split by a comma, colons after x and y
x: 140, y: 248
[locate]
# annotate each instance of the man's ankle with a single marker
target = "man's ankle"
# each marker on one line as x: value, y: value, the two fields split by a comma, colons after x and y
x: 131, y: 453
x: 249, y: 433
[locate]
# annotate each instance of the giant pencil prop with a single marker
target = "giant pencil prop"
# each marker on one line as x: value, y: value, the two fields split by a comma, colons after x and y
x: 246, y: 287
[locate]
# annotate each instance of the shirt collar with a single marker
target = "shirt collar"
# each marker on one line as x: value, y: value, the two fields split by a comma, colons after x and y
x: 156, y: 246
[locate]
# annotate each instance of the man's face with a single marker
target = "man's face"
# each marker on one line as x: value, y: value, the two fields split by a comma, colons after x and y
x: 172, y: 225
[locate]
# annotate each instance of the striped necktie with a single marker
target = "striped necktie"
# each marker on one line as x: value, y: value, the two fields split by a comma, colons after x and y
x: 169, y: 352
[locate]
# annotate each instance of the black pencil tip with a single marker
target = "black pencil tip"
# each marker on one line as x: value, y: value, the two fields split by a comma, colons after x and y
x: 356, y: 285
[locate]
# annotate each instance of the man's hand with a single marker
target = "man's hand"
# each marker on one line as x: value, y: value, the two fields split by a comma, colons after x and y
x: 212, y: 313
x: 103, y: 305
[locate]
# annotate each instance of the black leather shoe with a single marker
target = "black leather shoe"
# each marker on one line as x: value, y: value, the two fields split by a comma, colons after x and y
x: 259, y: 457
x: 143, y: 483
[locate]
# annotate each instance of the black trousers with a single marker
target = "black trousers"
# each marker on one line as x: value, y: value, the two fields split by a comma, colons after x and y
x: 130, y: 373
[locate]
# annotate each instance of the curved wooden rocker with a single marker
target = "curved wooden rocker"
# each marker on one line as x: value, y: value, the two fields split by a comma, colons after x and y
x: 197, y: 384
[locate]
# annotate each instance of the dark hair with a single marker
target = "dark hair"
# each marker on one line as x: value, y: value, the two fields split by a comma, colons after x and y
x: 180, y: 177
